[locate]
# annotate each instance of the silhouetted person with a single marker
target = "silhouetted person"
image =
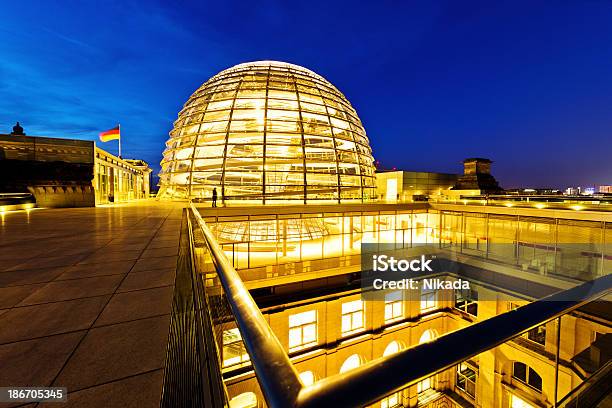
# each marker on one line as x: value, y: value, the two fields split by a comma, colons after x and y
x: 17, y: 130
x: 214, y: 197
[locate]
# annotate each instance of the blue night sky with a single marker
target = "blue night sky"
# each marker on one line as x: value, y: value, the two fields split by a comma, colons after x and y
x: 526, y: 84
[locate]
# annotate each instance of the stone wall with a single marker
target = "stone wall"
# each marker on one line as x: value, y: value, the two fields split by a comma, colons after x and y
x: 58, y: 172
x: 63, y: 196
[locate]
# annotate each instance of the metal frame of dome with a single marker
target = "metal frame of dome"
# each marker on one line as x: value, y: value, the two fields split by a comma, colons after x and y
x: 271, y: 132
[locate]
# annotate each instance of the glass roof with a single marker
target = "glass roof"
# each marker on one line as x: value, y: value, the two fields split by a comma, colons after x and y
x: 268, y: 131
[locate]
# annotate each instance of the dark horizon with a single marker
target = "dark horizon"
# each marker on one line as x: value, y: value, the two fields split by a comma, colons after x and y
x: 527, y: 86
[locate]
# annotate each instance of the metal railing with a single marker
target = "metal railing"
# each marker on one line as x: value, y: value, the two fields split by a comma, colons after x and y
x: 375, y: 380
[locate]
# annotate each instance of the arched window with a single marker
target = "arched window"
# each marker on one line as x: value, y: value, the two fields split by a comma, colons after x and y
x: 307, y: 378
x: 526, y: 375
x: 391, y: 348
x: 244, y: 400
x: 350, y: 363
x: 428, y: 335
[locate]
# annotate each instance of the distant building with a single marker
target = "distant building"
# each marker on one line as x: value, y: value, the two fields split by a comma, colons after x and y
x: 573, y: 191
x: 404, y: 186
x: 605, y: 189
x: 68, y: 172
x: 580, y: 191
x: 532, y: 191
x: 477, y: 177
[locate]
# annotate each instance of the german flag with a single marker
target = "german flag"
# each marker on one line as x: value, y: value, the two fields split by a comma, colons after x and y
x: 111, y: 134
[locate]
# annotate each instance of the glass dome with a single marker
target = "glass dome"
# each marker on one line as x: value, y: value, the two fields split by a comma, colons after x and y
x: 270, y: 132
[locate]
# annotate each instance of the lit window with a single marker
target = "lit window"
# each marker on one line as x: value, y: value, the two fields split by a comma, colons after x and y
x: 428, y: 299
x: 424, y: 385
x: 391, y: 348
x: 350, y: 363
x: 391, y: 401
x: 352, y: 316
x: 467, y: 301
x: 394, y: 308
x: 244, y: 400
x: 466, y: 379
x: 302, y: 329
x: 516, y: 402
x: 428, y: 335
x: 234, y: 351
x: 307, y: 378
x: 527, y: 375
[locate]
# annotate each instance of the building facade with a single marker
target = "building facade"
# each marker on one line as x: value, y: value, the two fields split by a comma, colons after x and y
x: 68, y: 172
x: 407, y: 186
x: 119, y: 180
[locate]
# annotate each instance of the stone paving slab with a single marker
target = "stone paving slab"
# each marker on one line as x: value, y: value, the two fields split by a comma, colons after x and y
x: 85, y: 300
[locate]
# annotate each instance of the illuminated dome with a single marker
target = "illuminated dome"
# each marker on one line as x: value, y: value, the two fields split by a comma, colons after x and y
x: 268, y: 131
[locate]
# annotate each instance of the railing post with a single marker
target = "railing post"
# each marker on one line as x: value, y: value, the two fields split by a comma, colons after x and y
x: 557, y: 361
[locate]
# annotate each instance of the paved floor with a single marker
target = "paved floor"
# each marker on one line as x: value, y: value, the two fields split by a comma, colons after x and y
x: 85, y: 297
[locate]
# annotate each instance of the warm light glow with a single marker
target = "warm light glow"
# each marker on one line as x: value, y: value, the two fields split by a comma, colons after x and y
x: 350, y: 363
x: 519, y: 403
x: 352, y: 316
x: 244, y: 400
x: 307, y: 378
x: 302, y: 329
x: 268, y: 131
x: 539, y: 206
x: 577, y: 207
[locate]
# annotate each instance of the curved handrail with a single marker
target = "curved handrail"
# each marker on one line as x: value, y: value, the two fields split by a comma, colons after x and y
x: 277, y: 377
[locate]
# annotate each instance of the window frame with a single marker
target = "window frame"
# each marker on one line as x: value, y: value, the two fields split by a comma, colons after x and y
x: 388, y: 401
x: 428, y: 293
x: 301, y: 329
x: 467, y: 303
x: 351, y: 316
x: 239, y: 344
x: 396, y: 307
x: 460, y: 373
x: 528, y: 375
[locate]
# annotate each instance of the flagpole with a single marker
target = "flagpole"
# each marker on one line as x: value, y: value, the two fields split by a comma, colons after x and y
x: 120, y: 140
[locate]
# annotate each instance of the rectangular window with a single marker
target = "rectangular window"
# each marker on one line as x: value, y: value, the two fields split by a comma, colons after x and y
x: 538, y: 334
x: 466, y: 379
x: 428, y: 299
x: 352, y: 317
x: 302, y: 329
x: 391, y: 401
x: 424, y: 385
x: 234, y: 351
x: 394, y: 308
x: 467, y: 301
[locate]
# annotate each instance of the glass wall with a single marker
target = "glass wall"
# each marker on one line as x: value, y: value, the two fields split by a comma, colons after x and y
x: 268, y: 132
x: 571, y: 248
x: 296, y: 243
